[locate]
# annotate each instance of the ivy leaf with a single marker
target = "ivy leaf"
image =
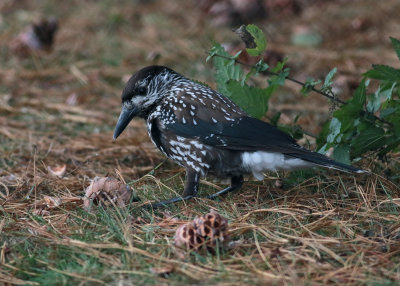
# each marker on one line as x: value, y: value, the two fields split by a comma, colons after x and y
x: 253, y: 100
x: 259, y: 40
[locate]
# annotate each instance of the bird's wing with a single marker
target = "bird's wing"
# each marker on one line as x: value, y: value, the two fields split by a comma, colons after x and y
x: 201, y: 113
x: 250, y: 134
x: 242, y: 134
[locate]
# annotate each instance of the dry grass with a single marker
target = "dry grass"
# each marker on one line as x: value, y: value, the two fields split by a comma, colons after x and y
x: 320, y: 228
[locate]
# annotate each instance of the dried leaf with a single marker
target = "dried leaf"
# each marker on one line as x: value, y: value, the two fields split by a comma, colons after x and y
x: 108, y: 191
x: 57, y: 171
x: 52, y: 202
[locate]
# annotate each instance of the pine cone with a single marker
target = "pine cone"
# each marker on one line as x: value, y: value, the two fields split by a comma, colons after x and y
x: 203, y: 232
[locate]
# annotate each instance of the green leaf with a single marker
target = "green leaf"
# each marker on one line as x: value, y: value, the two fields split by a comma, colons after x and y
x: 396, y: 46
x: 370, y: 139
x: 253, y: 100
x: 322, y: 146
x: 214, y: 51
x: 334, y: 130
x: 328, y: 79
x: 383, y: 72
x: 261, y: 66
x: 280, y: 66
x: 374, y: 102
x: 349, y: 112
x: 388, y: 111
x: 236, y: 56
x: 358, y: 100
x: 341, y: 153
x: 308, y: 86
x: 259, y: 40
x: 382, y: 94
x: 225, y: 70
x: 392, y: 143
x: 391, y: 113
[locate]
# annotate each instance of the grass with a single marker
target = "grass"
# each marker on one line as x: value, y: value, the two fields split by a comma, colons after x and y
x: 319, y: 228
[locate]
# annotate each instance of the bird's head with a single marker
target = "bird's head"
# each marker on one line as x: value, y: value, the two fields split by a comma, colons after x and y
x: 142, y: 93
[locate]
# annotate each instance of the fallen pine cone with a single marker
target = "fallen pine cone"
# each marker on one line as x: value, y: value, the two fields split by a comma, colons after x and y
x: 107, y: 191
x: 203, y: 233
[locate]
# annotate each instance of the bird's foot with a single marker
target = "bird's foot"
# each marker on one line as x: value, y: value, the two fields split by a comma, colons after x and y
x: 222, y: 192
x: 171, y: 201
x: 191, y: 191
x: 236, y: 183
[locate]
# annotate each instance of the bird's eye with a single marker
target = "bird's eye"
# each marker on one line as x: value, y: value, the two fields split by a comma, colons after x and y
x: 142, y: 90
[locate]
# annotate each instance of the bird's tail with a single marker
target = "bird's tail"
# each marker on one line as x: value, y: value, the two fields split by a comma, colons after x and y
x: 323, y: 161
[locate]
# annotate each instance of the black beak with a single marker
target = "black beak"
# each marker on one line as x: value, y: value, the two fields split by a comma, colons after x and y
x: 124, y: 118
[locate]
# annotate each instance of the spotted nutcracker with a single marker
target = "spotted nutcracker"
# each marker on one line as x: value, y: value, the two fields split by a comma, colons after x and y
x: 207, y: 133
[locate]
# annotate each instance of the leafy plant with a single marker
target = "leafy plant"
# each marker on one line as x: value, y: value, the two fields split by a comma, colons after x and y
x: 368, y: 122
x: 232, y: 81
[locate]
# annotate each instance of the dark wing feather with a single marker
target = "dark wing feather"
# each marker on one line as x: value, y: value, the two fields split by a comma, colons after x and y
x: 242, y: 134
x: 250, y: 134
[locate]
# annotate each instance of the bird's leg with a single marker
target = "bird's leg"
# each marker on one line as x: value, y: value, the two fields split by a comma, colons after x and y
x: 236, y: 183
x: 190, y: 190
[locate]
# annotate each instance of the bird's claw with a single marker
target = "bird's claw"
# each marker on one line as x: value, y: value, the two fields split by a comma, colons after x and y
x: 171, y: 201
